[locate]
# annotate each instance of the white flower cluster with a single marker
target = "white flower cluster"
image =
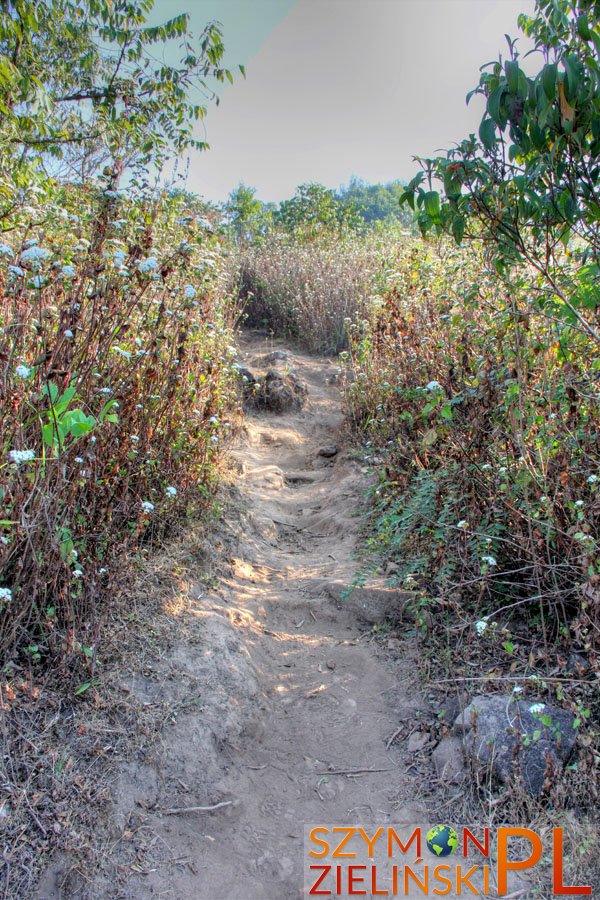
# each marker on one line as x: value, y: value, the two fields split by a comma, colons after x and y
x: 22, y: 371
x: 5, y: 250
x: 147, y: 506
x: 537, y: 708
x: 489, y: 560
x: 190, y: 292
x: 5, y: 595
x: 148, y: 265
x: 21, y: 456
x: 434, y: 386
x: 171, y: 491
x: 34, y: 255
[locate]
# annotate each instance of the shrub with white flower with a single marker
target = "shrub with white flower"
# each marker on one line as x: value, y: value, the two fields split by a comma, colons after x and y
x: 34, y: 256
x: 190, y: 292
x: 148, y: 265
x: 5, y: 595
x: 22, y: 371
x: 171, y: 491
x: 517, y: 689
x: 37, y: 282
x: 5, y: 250
x: 491, y: 562
x: 19, y: 457
x: 434, y: 386
x: 592, y: 479
x: 16, y: 271
x: 68, y: 334
x: 462, y: 524
x: 68, y: 271
x: 147, y: 507
x: 77, y: 573
x: 481, y: 626
x: 537, y: 708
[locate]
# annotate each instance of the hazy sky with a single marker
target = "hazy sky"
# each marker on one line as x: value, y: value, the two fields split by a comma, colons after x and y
x: 337, y: 88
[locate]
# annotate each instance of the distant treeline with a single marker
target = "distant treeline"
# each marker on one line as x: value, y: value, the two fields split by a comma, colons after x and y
x: 315, y: 209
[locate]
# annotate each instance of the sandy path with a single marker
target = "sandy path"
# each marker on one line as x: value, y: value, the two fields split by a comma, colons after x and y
x: 295, y: 692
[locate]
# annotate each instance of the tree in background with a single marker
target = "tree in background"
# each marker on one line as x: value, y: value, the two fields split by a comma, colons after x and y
x: 527, y: 184
x: 376, y: 202
x: 112, y: 97
x: 247, y: 215
x: 314, y: 211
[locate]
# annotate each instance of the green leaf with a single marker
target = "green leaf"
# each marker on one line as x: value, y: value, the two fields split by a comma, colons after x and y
x: 458, y: 228
x: 83, y: 688
x: 509, y: 647
x: 432, y: 204
x: 511, y: 67
x: 549, y: 77
x: 494, y: 107
x: 487, y: 133
x: 583, y: 28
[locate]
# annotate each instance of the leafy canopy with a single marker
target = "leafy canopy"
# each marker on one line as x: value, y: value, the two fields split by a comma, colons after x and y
x: 86, y: 73
x: 527, y: 184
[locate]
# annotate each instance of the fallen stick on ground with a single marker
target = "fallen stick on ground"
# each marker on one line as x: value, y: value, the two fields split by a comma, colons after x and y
x: 354, y: 771
x: 189, y: 809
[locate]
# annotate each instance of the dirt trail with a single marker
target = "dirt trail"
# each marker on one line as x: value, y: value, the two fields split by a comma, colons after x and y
x: 293, y: 692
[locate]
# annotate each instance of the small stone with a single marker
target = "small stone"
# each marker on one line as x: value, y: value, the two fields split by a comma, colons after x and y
x: 448, y: 760
x: 393, y: 644
x: 331, y: 664
x: 417, y: 741
x: 328, y: 452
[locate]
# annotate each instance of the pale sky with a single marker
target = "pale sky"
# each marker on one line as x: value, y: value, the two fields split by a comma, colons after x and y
x: 336, y: 88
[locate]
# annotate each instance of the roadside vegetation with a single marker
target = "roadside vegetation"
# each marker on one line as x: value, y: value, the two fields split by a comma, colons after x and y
x: 117, y: 385
x: 115, y: 320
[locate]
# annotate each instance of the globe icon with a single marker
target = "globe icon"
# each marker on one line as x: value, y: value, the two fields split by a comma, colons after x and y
x: 442, y: 840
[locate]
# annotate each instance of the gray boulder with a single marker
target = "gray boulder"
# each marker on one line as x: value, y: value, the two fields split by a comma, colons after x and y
x: 513, y: 737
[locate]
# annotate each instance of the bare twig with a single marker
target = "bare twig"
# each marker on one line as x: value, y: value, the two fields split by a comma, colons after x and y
x: 190, y: 809
x: 354, y: 771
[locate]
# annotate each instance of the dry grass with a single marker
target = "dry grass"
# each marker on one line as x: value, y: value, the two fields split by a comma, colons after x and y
x: 306, y: 292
